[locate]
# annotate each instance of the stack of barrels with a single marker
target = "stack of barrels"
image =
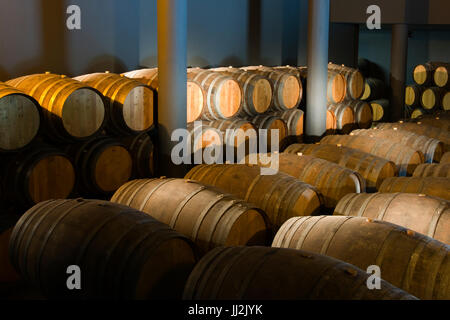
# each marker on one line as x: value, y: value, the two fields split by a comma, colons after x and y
x: 232, y: 104
x: 430, y: 92
x: 63, y: 137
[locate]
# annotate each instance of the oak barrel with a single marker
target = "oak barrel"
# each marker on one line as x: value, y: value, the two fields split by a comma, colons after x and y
x: 438, y: 121
x: 273, y: 124
x: 202, y: 136
x: 421, y: 213
x: 261, y: 273
x: 142, y: 152
x: 432, y: 186
x: 380, y: 109
x: 404, y: 157
x: 354, y: 80
x: 431, y: 148
x: 279, y: 195
x: 207, y: 216
x: 417, y: 113
x: 423, y: 74
x: 373, y: 89
x: 257, y: 91
x: 345, y: 116
x: 234, y: 131
x: 332, y: 180
x: 20, y: 119
x: 122, y: 253
x: 103, y: 165
x: 408, y: 260
x: 336, y: 84
x: 432, y: 170
x: 196, y: 98
x: 421, y: 129
x: 287, y: 88
x: 72, y: 111
x: 224, y: 95
x: 372, y: 168
x: 433, y: 98
x: 441, y: 75
x: 130, y: 103
x: 413, y: 95
x: 363, y: 113
x: 294, y: 120
x: 39, y: 174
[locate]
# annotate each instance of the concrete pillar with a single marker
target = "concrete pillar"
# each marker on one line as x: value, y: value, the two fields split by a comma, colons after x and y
x: 172, y: 56
x: 399, y: 57
x: 318, y: 33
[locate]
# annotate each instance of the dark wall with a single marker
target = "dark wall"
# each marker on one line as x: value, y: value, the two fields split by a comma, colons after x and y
x: 34, y: 37
x: 234, y: 32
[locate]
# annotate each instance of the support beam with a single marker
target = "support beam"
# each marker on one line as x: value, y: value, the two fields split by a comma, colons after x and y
x: 318, y: 34
x: 399, y: 58
x: 172, y: 33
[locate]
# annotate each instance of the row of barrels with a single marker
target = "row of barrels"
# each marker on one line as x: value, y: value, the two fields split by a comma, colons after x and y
x: 425, y: 100
x: 97, y: 167
x: 210, y: 219
x: 431, y: 89
x: 72, y: 110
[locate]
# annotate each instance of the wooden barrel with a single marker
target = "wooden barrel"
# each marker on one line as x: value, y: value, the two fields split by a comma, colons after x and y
x: 380, y: 109
x: 423, y: 74
x: 345, y: 116
x: 206, y: 215
x: 332, y: 180
x: 196, y: 97
x: 20, y: 119
x: 413, y: 95
x: 432, y: 186
x: 424, y: 214
x: 432, y: 98
x: 71, y: 110
x: 261, y: 273
x: 280, y: 195
x: 287, y: 88
x: 39, y: 174
x: 417, y: 113
x: 421, y: 129
x: 224, y: 96
x: 363, y: 113
x: 336, y: 85
x: 130, y: 102
x: 7, y: 272
x: 446, y: 101
x: 441, y: 75
x: 257, y: 90
x: 373, y: 89
x: 445, y: 158
x: 432, y: 170
x: 295, y: 121
x: 103, y: 165
x: 408, y: 260
x: 431, y: 148
x: 373, y: 169
x: 437, y: 121
x: 354, y: 80
x: 271, y: 124
x: 142, y: 152
x: 405, y: 158
x: 122, y: 253
x: 203, y: 136
x: 240, y: 138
